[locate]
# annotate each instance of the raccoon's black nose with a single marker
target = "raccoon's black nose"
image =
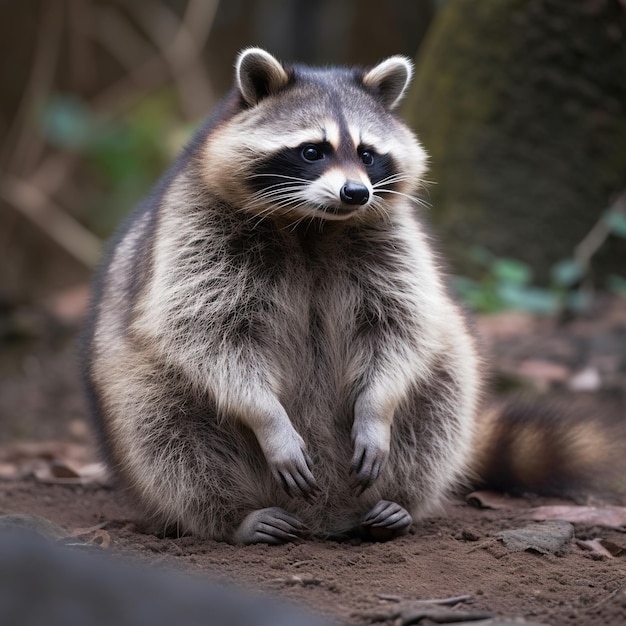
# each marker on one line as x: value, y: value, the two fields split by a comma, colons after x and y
x: 354, y: 193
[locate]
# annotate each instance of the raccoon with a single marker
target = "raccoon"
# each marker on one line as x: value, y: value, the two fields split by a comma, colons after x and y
x: 272, y: 351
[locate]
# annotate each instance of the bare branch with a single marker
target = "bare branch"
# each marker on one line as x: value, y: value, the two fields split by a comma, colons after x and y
x: 24, y: 147
x: 42, y: 211
x: 115, y: 32
x: 594, y: 239
x: 82, y: 60
x: 180, y: 43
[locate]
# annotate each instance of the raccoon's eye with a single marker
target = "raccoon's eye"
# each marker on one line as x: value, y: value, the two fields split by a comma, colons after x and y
x: 312, y: 153
x: 367, y: 157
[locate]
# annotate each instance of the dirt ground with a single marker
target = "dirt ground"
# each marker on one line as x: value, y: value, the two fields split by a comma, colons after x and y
x: 458, y: 558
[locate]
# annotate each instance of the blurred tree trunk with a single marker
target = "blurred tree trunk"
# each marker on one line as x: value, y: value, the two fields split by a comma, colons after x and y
x: 522, y: 107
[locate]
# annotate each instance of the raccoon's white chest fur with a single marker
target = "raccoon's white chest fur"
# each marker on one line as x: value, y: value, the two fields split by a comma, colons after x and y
x: 308, y: 295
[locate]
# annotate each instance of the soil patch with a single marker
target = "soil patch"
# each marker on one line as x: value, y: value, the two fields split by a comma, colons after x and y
x: 459, y: 553
x: 456, y: 554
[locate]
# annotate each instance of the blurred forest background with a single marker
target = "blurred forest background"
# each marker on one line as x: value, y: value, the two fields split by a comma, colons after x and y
x: 521, y: 104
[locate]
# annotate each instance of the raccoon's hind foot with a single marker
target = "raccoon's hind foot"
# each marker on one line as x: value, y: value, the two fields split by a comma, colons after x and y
x: 273, y: 526
x: 385, y: 521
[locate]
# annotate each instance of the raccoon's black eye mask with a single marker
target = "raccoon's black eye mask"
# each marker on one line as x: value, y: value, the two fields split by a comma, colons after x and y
x: 305, y: 162
x: 316, y: 152
x: 309, y: 161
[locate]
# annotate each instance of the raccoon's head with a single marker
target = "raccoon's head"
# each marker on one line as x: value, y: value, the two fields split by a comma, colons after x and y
x: 310, y: 142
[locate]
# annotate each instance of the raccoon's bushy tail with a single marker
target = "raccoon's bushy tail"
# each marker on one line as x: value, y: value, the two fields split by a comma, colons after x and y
x: 549, y: 449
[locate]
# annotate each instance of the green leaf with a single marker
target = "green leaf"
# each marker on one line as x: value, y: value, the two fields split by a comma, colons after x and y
x: 462, y: 285
x: 579, y: 301
x: 485, y: 301
x: 66, y: 122
x: 616, y: 221
x: 532, y: 299
x: 616, y: 284
x: 511, y: 271
x: 481, y: 256
x: 567, y: 272
x: 477, y: 296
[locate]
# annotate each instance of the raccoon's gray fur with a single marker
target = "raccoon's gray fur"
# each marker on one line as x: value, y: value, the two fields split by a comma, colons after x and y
x: 272, y: 350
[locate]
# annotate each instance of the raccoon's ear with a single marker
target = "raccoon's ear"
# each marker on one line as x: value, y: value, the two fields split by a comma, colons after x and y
x: 258, y: 75
x: 389, y: 80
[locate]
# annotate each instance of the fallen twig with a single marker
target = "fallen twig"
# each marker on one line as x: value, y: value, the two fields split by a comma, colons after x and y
x: 435, y: 601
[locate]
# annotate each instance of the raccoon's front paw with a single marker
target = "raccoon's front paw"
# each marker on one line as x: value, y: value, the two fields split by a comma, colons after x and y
x: 272, y: 525
x: 291, y: 467
x: 371, y: 449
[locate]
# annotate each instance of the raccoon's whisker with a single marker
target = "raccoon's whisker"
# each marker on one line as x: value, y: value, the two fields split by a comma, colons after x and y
x: 287, y: 200
x: 296, y: 178
x: 379, y: 207
x: 264, y: 214
x: 297, y: 206
x: 299, y: 221
x: 281, y: 185
x: 283, y: 189
x: 271, y: 202
x: 417, y: 201
x: 394, y: 178
x: 274, y: 200
x: 268, y: 193
x: 278, y: 196
x: 269, y: 210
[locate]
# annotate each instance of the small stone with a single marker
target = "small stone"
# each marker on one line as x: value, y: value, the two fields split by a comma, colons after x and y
x: 544, y: 538
x: 469, y: 535
x: 34, y: 523
x: 587, y: 379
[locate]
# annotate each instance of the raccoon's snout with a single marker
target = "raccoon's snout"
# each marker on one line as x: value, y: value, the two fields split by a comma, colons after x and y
x: 354, y: 193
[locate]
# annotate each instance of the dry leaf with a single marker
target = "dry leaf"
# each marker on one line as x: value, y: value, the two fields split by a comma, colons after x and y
x: 67, y: 473
x: 610, y: 516
x: 613, y: 548
x: 9, y: 471
x: 63, y: 469
x: 539, y: 370
x: 505, y: 324
x: 487, y: 500
x: 93, y: 536
x: 70, y: 305
x: 595, y: 546
x: 45, y: 450
x: 51, y: 462
x: 100, y: 538
x: 94, y: 473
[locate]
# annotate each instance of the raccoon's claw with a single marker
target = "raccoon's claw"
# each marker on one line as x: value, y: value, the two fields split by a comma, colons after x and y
x: 371, y: 440
x: 296, y: 477
x: 273, y: 526
x: 389, y: 515
x: 290, y: 465
x: 367, y: 463
x: 385, y: 521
